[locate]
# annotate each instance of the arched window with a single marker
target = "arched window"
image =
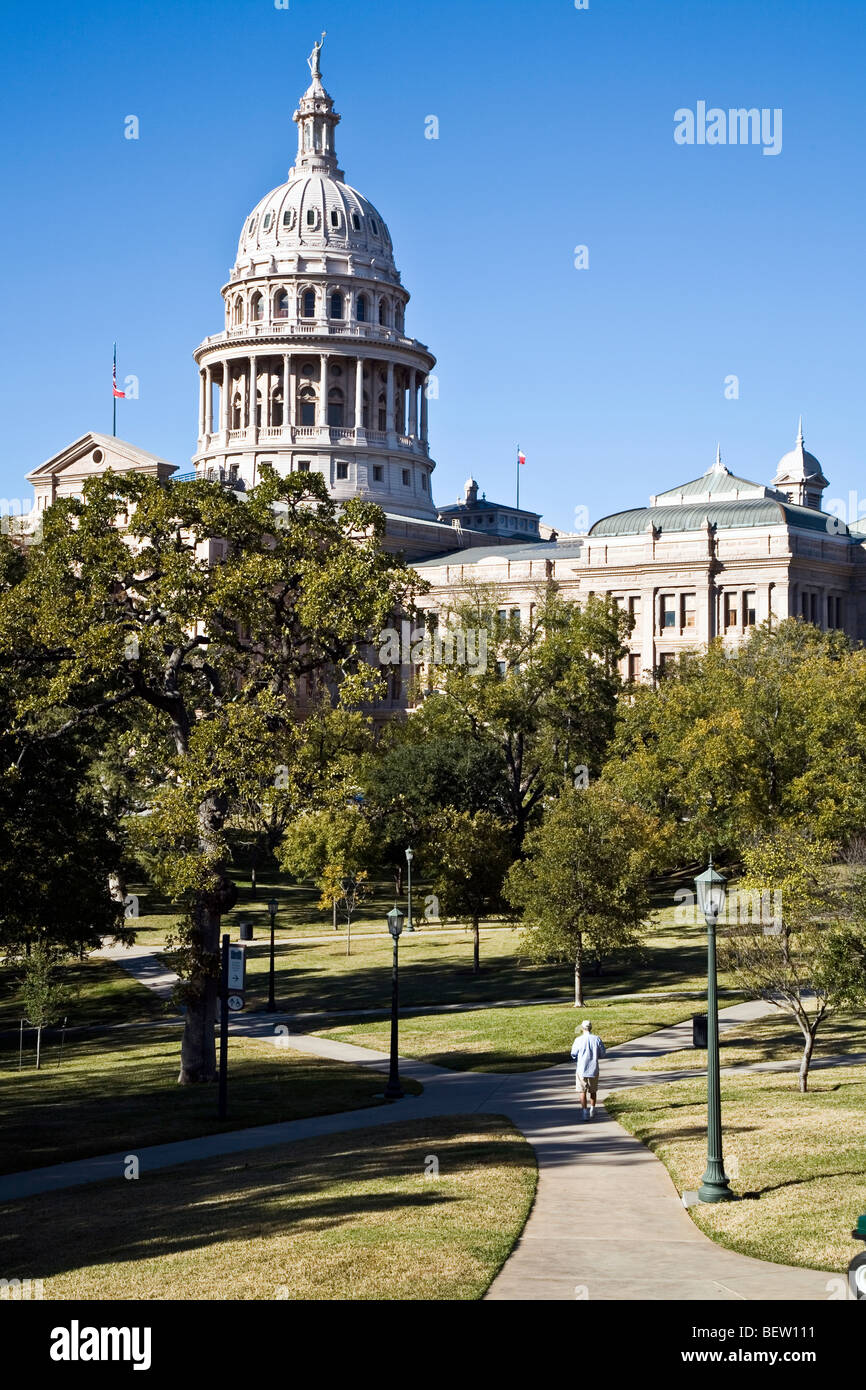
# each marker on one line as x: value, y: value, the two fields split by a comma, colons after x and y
x: 259, y: 408
x: 307, y: 405
x: 236, y: 411
x: 356, y: 222
x: 383, y: 411
x: 239, y: 310
x: 277, y: 407
x: 361, y: 308
x: 383, y: 312
x: 335, y: 407
x: 308, y: 304
x: 281, y: 304
x: 365, y: 417
x: 257, y: 307
x: 336, y: 305
x: 398, y: 317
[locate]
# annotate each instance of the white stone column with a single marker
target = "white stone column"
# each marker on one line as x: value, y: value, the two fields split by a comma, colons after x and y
x: 251, y: 411
x: 413, y: 401
x: 288, y: 403
x: 389, y: 399
x: 359, y: 393
x: 201, y: 402
x: 208, y: 400
x: 323, y: 392
x: 226, y: 398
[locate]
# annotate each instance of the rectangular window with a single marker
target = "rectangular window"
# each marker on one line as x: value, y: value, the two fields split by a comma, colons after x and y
x: 814, y: 607
x: 304, y: 466
x: 667, y: 611
x: 804, y: 605
x: 308, y: 412
x: 406, y: 478
x: 666, y: 663
x: 731, y: 610
x: 423, y: 482
x: 342, y: 470
x: 378, y: 472
x: 634, y: 606
x: 515, y: 617
x: 687, y: 611
x: 634, y: 666
x: 749, y: 608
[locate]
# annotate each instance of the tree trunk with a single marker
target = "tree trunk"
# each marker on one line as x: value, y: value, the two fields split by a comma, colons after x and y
x: 198, y: 1048
x: 578, y: 975
x: 476, y: 963
x: 808, y: 1048
x: 253, y: 884
x: 38, y: 1043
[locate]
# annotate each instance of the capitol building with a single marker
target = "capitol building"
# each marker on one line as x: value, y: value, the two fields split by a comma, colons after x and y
x: 314, y: 371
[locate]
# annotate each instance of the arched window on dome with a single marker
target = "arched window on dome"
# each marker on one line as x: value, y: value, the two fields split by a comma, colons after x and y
x: 336, y: 305
x: 365, y: 416
x: 239, y: 310
x: 277, y: 407
x: 257, y: 307
x: 335, y: 217
x: 361, y: 308
x: 383, y: 312
x: 336, y: 407
x: 398, y: 318
x: 308, y: 304
x: 237, y: 406
x: 356, y: 222
x: 307, y: 405
x: 383, y: 411
x: 281, y: 304
x: 259, y: 409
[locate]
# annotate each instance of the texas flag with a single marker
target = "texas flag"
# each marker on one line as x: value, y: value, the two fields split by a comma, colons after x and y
x: 521, y: 457
x: 118, y: 395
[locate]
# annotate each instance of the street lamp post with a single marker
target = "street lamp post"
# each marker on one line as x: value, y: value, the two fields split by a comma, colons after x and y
x: 714, y: 1186
x: 272, y: 1006
x: 409, y: 857
x: 394, y: 1091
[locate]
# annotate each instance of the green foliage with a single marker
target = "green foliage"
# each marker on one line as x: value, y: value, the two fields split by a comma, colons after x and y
x: 732, y: 743
x: 582, y: 886
x: 550, y: 712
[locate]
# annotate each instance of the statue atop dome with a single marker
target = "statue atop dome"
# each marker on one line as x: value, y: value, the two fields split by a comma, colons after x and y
x: 313, y: 60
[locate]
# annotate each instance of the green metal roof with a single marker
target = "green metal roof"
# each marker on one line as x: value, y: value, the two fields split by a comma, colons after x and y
x: 757, y: 511
x: 715, y: 480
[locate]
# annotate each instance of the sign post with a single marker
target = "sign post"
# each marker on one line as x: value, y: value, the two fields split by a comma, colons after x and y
x: 224, y: 1029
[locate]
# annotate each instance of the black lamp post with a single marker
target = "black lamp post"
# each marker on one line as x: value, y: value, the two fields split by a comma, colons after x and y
x: 394, y: 1091
x: 272, y: 1007
x: 714, y: 1186
x: 409, y: 857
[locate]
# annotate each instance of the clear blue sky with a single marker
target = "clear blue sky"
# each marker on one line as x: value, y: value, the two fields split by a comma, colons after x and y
x: 556, y: 130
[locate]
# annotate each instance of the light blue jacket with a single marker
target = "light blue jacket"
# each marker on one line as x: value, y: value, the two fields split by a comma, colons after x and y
x: 586, y: 1050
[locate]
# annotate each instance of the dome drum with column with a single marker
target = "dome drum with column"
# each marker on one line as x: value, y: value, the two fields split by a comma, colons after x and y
x: 314, y: 370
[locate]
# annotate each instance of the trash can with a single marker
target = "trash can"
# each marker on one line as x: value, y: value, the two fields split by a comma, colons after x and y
x: 699, y: 1030
x: 857, y: 1267
x: 246, y: 931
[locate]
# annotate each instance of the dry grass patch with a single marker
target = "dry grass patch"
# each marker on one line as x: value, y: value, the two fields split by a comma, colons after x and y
x: 796, y: 1160
x: 352, y: 1216
x: 771, y: 1039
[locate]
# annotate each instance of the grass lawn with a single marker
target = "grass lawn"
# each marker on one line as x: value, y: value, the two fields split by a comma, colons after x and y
x: 103, y: 993
x: 513, y: 1039
x: 797, y: 1159
x: 119, y: 1091
x: 772, y: 1039
x: 347, y: 1217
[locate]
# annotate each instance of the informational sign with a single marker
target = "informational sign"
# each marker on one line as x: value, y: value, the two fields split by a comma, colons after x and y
x: 236, y: 970
x: 235, y: 1003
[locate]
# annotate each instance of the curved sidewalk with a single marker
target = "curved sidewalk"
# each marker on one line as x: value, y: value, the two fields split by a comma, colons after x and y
x: 607, y: 1222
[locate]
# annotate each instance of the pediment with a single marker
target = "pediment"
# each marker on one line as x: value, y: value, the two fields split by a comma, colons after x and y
x: 91, y: 455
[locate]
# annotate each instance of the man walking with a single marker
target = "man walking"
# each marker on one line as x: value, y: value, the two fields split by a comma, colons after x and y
x: 586, y: 1050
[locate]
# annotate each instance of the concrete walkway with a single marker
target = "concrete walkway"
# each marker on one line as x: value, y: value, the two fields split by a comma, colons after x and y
x: 607, y: 1222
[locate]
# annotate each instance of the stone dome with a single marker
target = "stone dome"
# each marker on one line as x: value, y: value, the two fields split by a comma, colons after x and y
x: 313, y: 211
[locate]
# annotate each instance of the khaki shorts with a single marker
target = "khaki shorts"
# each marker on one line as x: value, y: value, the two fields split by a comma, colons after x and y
x: 587, y: 1083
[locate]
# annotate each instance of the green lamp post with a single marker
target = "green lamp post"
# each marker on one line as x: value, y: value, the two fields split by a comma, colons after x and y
x: 409, y: 857
x: 393, y: 1090
x: 714, y: 1186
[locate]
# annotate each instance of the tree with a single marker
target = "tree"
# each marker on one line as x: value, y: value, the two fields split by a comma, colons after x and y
x: 333, y: 846
x: 545, y: 699
x: 471, y: 854
x: 104, y: 621
x: 44, y: 998
x: 582, y: 885
x: 731, y: 743
x: 803, y: 957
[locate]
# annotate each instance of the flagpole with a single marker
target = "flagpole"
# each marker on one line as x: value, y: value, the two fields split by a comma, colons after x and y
x: 114, y: 397
x: 518, y: 476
